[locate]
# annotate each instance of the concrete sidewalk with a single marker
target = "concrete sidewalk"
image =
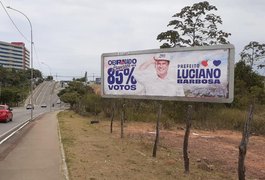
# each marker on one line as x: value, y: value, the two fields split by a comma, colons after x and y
x: 37, y: 155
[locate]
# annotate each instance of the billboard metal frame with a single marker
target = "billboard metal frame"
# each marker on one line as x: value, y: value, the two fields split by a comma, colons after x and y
x: 231, y: 58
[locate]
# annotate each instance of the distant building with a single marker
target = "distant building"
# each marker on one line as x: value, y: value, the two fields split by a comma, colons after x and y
x: 98, y: 81
x: 14, y: 55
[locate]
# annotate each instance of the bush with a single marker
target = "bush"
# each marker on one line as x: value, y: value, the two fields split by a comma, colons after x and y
x: 211, y: 116
x: 92, y: 103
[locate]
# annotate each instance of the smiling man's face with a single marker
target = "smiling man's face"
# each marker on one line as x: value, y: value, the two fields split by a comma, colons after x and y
x: 162, y: 68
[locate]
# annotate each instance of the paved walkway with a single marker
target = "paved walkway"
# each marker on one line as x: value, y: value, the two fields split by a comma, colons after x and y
x: 37, y: 156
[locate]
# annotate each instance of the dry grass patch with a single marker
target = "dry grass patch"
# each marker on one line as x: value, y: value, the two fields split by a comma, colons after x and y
x: 92, y: 152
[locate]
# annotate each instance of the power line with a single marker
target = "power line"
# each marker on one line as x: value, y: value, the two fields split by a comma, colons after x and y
x: 34, y: 46
x: 14, y: 23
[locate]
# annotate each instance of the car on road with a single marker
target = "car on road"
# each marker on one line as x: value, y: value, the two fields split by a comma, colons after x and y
x: 29, y: 106
x: 43, y: 106
x: 6, y: 113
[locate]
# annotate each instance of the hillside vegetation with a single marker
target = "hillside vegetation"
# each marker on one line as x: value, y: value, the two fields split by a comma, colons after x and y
x: 15, y: 85
x: 249, y: 88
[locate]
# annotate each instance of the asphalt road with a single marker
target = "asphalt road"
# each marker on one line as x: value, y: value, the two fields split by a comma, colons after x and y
x: 45, y: 93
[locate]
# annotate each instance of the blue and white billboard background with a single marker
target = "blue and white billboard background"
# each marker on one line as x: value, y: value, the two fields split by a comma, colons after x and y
x: 197, y: 75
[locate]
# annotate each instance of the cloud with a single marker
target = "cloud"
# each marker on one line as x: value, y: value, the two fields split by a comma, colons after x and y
x: 71, y: 35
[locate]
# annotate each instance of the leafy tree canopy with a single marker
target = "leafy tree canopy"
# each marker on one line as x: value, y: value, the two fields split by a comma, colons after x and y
x: 252, y: 52
x: 248, y: 85
x: 194, y: 25
x: 49, y: 78
x: 74, y: 92
x: 15, y: 84
x: 244, y: 73
x: 70, y: 97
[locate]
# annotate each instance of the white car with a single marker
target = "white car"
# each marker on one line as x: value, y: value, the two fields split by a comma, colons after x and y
x: 29, y: 106
x: 43, y: 106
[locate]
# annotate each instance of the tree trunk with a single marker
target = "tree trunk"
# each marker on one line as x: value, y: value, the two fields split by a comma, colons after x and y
x: 243, y: 145
x: 186, y: 140
x: 157, y: 130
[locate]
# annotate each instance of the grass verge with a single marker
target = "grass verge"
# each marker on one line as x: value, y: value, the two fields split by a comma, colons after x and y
x: 93, y: 153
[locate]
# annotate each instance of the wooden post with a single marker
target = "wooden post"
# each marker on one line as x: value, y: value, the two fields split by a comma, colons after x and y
x: 122, y: 118
x: 243, y: 145
x: 112, y: 117
x: 157, y: 130
x: 124, y: 111
x: 186, y: 140
x: 95, y: 109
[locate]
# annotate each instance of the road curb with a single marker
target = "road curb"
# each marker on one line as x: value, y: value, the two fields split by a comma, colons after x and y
x: 64, y: 165
x: 11, y: 132
x: 4, y: 137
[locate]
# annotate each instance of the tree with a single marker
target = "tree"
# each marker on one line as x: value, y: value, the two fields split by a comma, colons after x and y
x: 74, y: 92
x: 248, y: 85
x: 36, y: 73
x: 79, y: 87
x: 49, y: 78
x: 70, y: 97
x: 14, y: 85
x: 194, y: 26
x: 252, y: 52
x: 83, y: 79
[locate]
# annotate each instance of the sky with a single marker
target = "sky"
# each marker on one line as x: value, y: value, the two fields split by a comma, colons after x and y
x: 70, y: 35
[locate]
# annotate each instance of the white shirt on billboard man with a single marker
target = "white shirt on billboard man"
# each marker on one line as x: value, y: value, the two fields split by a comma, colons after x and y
x: 156, y: 79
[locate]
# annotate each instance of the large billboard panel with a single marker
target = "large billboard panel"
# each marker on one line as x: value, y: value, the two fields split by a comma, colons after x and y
x: 199, y: 74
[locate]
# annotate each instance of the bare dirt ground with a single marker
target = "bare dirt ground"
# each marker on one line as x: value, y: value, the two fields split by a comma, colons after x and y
x: 92, y: 152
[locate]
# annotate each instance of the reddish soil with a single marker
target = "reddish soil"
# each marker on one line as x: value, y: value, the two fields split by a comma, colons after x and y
x: 210, y: 148
x: 92, y: 152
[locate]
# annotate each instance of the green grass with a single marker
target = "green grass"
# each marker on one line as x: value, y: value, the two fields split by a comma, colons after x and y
x: 207, y: 118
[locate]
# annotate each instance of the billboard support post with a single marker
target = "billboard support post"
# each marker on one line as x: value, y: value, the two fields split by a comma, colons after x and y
x: 157, y: 129
x: 186, y: 140
x: 112, y: 117
x: 122, y: 118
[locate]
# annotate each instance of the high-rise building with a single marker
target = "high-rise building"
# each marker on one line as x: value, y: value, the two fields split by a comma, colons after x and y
x: 14, y: 55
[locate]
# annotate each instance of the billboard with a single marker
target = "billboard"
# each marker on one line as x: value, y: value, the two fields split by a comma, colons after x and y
x: 198, y: 74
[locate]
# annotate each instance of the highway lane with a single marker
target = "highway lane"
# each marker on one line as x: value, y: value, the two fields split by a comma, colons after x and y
x: 20, y: 116
x: 45, y: 93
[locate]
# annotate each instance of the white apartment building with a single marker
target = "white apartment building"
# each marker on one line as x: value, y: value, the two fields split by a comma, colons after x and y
x: 14, y: 55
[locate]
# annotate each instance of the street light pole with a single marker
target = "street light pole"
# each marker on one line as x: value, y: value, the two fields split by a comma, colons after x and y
x: 31, y: 60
